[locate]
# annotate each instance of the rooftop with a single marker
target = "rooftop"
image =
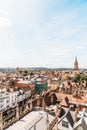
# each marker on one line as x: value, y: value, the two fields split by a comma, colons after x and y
x: 28, y: 122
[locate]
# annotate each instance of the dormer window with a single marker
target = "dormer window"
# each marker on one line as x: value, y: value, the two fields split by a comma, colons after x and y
x: 65, y: 124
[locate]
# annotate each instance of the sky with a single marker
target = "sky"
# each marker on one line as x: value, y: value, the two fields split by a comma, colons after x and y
x: 43, y: 33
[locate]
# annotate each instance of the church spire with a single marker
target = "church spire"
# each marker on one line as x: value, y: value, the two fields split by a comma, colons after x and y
x: 76, y: 64
x: 76, y: 58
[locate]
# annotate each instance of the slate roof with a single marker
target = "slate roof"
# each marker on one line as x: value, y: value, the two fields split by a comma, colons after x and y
x: 28, y: 121
x: 66, y: 114
x: 69, y: 118
x: 82, y: 123
x: 82, y: 116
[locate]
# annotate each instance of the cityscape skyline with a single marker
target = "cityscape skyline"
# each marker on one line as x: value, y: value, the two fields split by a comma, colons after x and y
x: 43, y: 33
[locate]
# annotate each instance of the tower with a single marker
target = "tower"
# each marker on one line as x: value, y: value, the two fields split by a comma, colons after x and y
x: 76, y: 64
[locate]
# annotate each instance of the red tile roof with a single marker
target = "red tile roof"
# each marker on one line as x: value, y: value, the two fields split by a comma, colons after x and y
x: 64, y: 102
x: 81, y: 99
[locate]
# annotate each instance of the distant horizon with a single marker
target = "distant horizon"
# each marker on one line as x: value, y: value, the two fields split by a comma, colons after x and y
x: 37, y: 67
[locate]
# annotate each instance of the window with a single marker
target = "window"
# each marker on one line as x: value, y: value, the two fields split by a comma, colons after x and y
x: 65, y: 124
x: 1, y: 106
x: 7, y: 106
x: 8, y: 101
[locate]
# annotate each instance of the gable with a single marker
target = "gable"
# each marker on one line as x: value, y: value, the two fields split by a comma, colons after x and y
x: 80, y: 127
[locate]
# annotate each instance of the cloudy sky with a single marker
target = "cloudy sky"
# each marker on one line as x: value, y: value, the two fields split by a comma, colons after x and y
x: 45, y: 33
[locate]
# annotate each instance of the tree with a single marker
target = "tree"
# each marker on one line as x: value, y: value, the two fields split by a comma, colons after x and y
x: 79, y: 77
x: 25, y: 73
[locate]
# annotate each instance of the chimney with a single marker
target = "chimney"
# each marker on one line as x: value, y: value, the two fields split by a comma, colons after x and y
x: 58, y: 108
x: 1, y: 121
x: 47, y: 122
x: 17, y: 112
x: 43, y: 103
x: 76, y: 113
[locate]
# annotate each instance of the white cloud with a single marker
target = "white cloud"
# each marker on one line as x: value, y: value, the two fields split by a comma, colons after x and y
x: 5, y: 22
